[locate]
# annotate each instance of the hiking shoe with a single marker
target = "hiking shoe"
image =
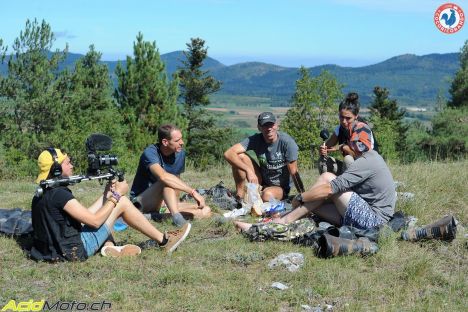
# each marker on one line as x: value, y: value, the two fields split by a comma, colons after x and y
x: 120, y: 251
x: 443, y: 229
x: 174, y: 238
x: 332, y: 246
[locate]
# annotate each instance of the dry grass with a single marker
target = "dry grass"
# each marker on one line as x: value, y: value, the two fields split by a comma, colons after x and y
x: 219, y: 270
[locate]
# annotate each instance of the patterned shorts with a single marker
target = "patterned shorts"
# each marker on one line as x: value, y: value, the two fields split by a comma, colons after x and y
x: 360, y: 215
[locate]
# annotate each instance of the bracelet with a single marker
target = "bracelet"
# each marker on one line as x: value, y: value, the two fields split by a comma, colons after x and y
x: 112, y: 200
x: 116, y: 195
x: 193, y: 191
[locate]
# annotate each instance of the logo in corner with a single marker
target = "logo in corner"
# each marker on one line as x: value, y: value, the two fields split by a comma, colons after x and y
x: 449, y: 18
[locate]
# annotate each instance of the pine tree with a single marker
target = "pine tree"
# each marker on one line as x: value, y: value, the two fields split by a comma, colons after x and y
x: 384, y: 107
x: 448, y: 136
x: 206, y: 141
x: 314, y: 107
x: 459, y: 88
x: 89, y: 106
x: 145, y: 95
x: 196, y: 85
x: 30, y: 110
x: 389, y: 126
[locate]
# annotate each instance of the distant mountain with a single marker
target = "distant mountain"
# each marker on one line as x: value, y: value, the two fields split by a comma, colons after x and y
x: 412, y: 80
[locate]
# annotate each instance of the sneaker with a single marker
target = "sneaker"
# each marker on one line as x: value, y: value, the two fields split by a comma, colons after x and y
x: 174, y: 238
x: 120, y: 251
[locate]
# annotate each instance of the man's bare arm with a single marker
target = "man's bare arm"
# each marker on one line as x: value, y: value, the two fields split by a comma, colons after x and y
x: 232, y: 157
x: 176, y: 183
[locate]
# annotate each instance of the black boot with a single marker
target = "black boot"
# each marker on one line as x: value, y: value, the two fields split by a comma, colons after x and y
x: 443, y: 229
x: 332, y: 246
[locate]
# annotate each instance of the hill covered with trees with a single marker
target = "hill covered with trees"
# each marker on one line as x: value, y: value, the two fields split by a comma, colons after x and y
x: 414, y: 80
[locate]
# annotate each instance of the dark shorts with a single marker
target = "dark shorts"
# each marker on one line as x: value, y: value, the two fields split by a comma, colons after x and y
x: 360, y: 215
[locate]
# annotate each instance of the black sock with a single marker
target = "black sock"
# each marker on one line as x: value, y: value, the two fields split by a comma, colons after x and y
x: 164, y: 241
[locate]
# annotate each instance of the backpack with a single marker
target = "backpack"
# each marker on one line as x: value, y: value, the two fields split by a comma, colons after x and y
x: 222, y: 197
x: 219, y: 194
x: 15, y: 221
x: 283, y: 232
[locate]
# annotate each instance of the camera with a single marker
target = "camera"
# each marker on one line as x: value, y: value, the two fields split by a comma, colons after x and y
x: 98, y: 162
x: 99, y: 166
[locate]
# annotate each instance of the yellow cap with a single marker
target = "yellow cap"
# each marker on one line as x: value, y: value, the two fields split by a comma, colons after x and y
x: 45, y: 162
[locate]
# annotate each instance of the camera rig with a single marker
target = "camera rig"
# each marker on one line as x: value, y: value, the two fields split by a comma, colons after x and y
x: 100, y: 166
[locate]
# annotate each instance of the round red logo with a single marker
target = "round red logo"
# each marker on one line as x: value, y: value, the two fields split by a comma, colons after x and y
x: 449, y: 18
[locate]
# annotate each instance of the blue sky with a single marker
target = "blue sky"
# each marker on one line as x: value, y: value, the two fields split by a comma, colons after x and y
x: 288, y: 33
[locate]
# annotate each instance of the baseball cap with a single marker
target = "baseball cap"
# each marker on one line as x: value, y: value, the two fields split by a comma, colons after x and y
x: 45, y: 162
x: 361, y: 138
x: 265, y: 118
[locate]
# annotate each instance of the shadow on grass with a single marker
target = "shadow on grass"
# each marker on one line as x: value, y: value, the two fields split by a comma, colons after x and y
x: 25, y: 242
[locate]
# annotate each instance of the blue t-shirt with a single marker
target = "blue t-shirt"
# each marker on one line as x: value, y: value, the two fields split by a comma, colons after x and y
x: 273, y: 158
x: 174, y: 164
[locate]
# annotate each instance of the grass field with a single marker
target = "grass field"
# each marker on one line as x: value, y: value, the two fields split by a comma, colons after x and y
x: 217, y: 269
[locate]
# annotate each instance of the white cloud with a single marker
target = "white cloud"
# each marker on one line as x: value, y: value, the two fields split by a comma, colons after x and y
x: 64, y: 34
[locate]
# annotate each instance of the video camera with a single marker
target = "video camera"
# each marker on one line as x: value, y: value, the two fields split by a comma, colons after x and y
x: 99, y: 166
x: 97, y: 162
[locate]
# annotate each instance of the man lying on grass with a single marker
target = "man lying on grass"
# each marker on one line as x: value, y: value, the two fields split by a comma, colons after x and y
x: 363, y: 196
x: 66, y: 230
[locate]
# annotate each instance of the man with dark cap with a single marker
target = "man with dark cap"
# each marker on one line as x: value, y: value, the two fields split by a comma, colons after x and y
x: 363, y: 196
x: 277, y: 154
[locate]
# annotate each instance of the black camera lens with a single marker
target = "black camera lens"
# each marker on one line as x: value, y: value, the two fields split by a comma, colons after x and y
x: 108, y: 160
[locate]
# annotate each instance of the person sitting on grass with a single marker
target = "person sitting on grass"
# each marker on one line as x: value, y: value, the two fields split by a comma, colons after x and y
x: 158, y: 179
x: 277, y: 155
x: 64, y: 229
x: 363, y: 196
x: 348, y: 113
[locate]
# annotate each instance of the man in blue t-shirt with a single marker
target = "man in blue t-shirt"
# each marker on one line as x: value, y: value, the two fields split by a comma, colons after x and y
x: 158, y: 178
x: 277, y: 156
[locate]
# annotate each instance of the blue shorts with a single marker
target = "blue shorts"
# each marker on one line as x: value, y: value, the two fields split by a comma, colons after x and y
x: 360, y: 215
x: 93, y: 239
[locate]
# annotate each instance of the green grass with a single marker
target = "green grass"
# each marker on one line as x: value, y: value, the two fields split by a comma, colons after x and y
x: 216, y: 269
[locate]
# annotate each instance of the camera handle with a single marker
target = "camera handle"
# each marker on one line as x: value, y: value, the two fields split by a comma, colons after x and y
x: 53, y: 183
x: 324, y: 134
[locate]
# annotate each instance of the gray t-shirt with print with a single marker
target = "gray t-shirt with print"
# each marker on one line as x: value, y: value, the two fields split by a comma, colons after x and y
x: 273, y: 158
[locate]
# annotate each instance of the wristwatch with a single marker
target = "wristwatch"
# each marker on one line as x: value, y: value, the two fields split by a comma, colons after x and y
x: 298, y: 197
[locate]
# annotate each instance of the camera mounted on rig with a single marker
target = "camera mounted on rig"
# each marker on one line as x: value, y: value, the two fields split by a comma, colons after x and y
x: 99, y: 166
x: 99, y: 162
